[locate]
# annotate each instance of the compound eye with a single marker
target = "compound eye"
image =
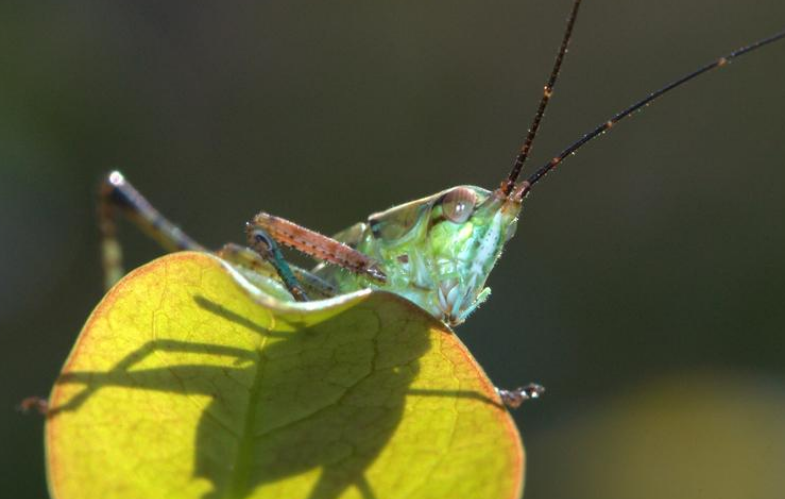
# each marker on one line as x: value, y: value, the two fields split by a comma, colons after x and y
x: 458, y: 204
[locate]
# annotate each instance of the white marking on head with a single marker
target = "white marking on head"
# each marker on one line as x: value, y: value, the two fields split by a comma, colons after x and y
x: 488, y: 245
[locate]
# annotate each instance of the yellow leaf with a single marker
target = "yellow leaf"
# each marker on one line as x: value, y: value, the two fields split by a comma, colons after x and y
x: 187, y: 382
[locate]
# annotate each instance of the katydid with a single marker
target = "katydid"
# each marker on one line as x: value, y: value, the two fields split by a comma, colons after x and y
x: 437, y: 251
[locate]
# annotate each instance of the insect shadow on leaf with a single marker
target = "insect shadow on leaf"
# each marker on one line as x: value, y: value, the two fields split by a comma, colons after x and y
x: 340, y: 427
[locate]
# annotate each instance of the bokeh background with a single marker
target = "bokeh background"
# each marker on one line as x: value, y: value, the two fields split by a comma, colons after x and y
x: 645, y: 287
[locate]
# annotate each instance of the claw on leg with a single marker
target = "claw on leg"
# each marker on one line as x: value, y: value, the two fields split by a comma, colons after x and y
x: 514, y: 398
x: 38, y: 404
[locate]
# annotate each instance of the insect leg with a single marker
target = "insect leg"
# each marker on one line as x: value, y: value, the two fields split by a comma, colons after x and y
x: 116, y: 195
x: 318, y: 246
x: 481, y: 298
x: 514, y: 398
x: 247, y: 258
x: 261, y: 242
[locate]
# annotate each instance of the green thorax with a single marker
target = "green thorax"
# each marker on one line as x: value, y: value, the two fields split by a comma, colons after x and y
x: 436, y: 251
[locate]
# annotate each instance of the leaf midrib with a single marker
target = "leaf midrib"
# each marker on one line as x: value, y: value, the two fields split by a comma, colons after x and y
x: 241, y: 471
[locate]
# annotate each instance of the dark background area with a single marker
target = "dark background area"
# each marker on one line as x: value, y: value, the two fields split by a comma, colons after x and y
x: 646, y: 283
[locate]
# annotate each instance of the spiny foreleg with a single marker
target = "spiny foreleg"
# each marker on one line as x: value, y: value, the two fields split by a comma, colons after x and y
x: 242, y: 256
x: 317, y: 245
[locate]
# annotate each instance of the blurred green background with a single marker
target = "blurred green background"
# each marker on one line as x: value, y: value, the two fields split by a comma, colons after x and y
x: 645, y: 287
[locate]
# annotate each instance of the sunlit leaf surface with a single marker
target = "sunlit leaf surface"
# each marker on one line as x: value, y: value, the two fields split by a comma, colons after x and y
x: 187, y: 384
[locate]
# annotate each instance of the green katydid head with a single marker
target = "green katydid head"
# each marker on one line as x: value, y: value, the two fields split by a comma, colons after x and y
x: 438, y: 251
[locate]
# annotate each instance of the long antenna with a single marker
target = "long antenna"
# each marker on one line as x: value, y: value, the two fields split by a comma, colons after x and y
x: 535, y: 177
x: 523, y: 154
